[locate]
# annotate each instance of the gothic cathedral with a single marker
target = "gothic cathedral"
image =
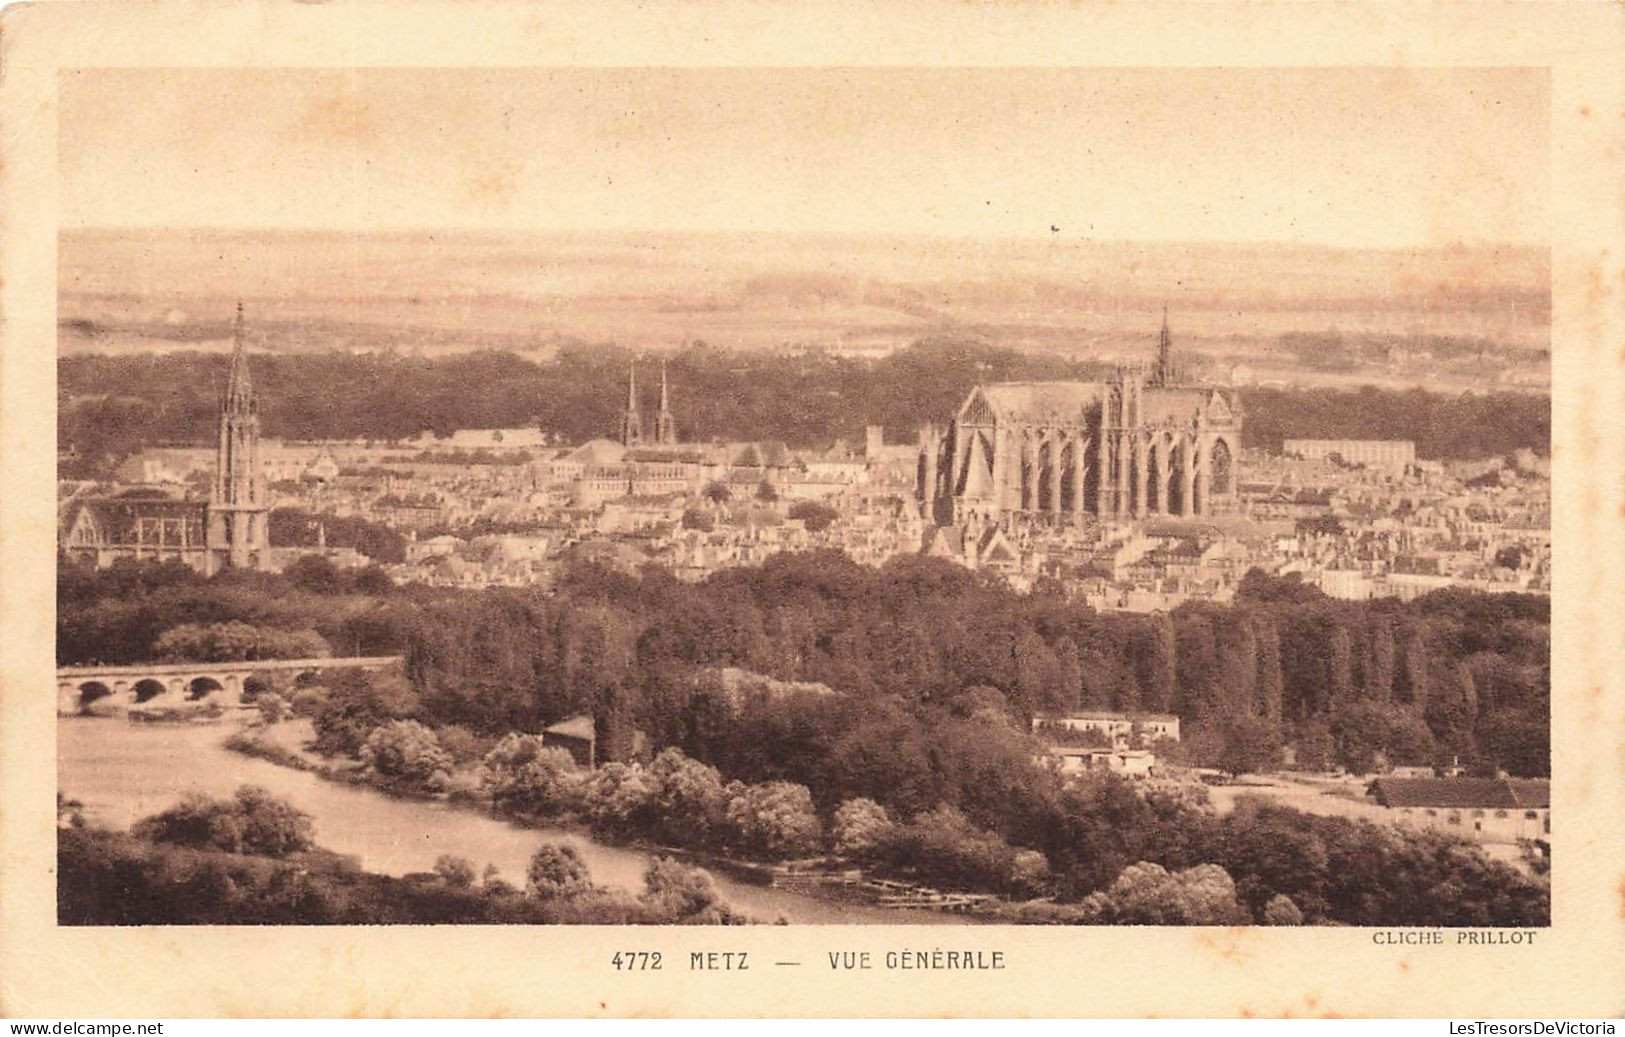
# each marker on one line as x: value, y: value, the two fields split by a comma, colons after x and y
x: 1143, y: 443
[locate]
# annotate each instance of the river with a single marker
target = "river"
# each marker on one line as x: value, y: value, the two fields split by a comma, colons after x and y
x: 123, y: 771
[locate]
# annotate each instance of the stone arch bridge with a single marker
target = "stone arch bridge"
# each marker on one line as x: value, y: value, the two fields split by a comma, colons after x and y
x: 160, y: 684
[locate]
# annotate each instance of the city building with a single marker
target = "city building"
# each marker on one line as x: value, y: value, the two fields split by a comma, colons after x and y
x: 1074, y: 759
x: 138, y: 524
x: 229, y: 530
x: 1493, y: 810
x: 1139, y: 444
x: 1113, y: 727
x: 1390, y: 455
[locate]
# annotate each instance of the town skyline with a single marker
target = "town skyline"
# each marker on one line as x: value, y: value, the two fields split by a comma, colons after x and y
x: 1085, y: 587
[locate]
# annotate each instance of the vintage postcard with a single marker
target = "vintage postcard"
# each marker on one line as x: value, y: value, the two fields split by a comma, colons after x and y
x: 559, y: 509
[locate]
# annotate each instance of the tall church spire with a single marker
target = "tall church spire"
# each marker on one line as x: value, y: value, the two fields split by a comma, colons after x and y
x: 238, y: 532
x: 1166, y: 373
x: 665, y: 424
x: 239, y: 387
x: 631, y: 420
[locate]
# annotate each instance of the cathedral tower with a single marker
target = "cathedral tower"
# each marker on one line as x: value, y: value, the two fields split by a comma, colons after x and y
x: 631, y: 420
x: 665, y: 424
x: 238, y: 512
x: 1167, y: 371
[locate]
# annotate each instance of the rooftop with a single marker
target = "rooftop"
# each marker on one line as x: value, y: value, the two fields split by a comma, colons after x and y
x: 581, y: 727
x: 1502, y: 793
x: 1157, y: 718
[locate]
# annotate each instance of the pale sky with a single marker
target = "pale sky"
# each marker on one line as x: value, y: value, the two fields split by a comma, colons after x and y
x: 1357, y: 157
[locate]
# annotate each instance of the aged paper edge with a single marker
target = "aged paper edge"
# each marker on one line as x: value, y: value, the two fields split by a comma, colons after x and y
x: 1572, y: 970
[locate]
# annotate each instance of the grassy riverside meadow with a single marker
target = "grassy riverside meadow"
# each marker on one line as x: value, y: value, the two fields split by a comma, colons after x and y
x: 917, y: 765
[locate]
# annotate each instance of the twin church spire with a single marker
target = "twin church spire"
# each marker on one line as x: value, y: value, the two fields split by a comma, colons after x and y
x: 665, y: 430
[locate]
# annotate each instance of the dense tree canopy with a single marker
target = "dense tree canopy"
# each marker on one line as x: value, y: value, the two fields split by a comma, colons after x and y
x: 114, y: 405
x: 253, y: 821
x: 293, y: 527
x: 928, y: 657
x: 887, y: 711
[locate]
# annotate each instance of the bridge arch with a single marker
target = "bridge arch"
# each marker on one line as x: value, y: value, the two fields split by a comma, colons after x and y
x: 93, y: 691
x: 148, y: 689
x: 203, y: 686
x: 255, y: 685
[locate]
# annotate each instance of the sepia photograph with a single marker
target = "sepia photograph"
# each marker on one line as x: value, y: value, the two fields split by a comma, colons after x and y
x: 730, y: 496
x: 572, y: 509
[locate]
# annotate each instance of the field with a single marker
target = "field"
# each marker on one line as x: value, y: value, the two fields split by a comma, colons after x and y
x: 1463, y: 318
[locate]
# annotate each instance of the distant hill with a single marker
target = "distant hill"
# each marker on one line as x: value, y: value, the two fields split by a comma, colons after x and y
x: 536, y: 292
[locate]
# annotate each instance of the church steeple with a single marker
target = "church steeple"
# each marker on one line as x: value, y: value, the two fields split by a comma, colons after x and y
x: 665, y: 424
x: 239, y: 387
x: 1167, y: 372
x: 236, y: 479
x: 631, y: 420
x: 237, y: 513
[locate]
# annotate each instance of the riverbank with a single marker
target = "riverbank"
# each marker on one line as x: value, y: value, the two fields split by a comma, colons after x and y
x: 119, y: 878
x: 123, y: 772
x: 837, y: 883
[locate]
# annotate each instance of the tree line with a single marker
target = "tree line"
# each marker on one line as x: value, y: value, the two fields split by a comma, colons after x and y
x: 112, y: 406
x: 1453, y: 675
x: 802, y: 703
x: 1096, y: 849
x: 1099, y: 849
